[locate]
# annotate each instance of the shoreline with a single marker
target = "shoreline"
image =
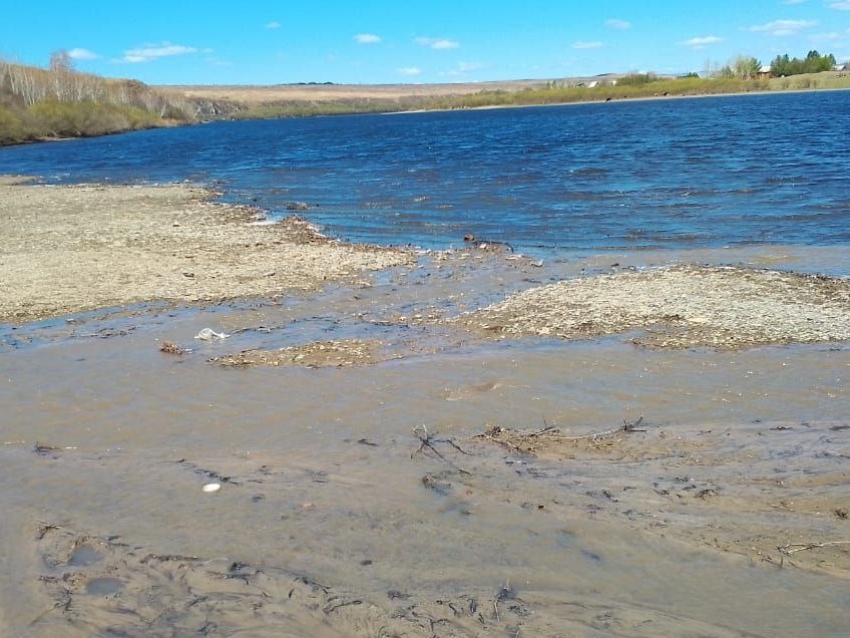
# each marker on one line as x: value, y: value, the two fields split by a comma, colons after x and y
x: 84, y: 248
x: 622, y: 100
x: 80, y: 248
x: 197, y: 93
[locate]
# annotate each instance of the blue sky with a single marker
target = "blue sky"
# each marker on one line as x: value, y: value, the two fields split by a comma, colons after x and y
x: 413, y: 41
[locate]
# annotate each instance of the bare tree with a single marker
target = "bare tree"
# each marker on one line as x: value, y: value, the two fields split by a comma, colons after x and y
x: 746, y: 67
x: 28, y: 82
x: 4, y: 74
x: 62, y: 75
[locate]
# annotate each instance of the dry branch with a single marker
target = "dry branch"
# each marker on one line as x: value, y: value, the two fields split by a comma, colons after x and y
x: 626, y: 427
x: 428, y: 440
x: 793, y: 548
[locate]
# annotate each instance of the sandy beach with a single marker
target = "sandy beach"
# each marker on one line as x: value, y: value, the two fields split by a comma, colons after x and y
x: 440, y: 443
x: 91, y: 247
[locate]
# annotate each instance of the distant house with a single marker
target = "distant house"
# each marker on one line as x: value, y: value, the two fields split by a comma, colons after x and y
x: 764, y: 72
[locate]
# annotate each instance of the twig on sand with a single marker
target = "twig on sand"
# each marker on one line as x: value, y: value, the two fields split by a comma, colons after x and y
x: 42, y: 530
x: 490, y: 434
x: 546, y: 428
x: 793, y: 548
x: 64, y: 605
x: 506, y: 592
x: 626, y: 427
x: 428, y: 440
x: 335, y: 602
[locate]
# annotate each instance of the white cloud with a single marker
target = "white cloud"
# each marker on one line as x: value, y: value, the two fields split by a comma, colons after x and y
x: 409, y: 71
x: 844, y: 5
x: 154, y: 52
x: 784, y: 27
x: 437, y: 43
x: 587, y: 45
x: 826, y: 37
x: 366, y: 38
x: 463, y: 69
x: 273, y: 25
x: 699, y: 43
x: 466, y: 67
x: 82, y: 54
x: 614, y: 23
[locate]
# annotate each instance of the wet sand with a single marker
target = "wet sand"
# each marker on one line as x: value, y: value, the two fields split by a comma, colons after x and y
x: 391, y: 464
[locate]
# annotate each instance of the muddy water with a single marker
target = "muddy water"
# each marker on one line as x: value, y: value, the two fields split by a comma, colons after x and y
x: 363, y: 500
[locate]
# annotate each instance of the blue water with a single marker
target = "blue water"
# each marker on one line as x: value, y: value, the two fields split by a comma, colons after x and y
x: 685, y: 173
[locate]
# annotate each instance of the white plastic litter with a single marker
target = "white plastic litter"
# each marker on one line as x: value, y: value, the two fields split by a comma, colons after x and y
x: 207, y: 334
x: 211, y: 487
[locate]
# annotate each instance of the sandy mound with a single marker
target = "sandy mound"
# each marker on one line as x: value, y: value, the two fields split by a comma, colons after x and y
x: 680, y: 307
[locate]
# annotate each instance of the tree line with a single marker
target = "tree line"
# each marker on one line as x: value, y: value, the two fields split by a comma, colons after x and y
x: 814, y: 62
x: 747, y: 67
x: 59, y: 101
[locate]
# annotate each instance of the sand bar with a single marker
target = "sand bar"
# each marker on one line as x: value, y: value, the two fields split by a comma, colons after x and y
x: 68, y: 249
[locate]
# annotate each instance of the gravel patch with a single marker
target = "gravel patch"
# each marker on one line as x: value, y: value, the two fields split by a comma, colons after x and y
x: 66, y: 249
x: 679, y: 307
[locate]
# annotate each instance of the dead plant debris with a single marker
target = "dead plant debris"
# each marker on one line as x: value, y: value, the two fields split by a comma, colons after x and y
x: 319, y: 354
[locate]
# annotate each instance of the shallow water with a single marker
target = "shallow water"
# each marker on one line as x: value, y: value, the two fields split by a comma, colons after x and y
x: 324, y: 473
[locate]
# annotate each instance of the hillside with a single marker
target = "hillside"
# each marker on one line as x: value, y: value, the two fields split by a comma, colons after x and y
x: 58, y: 102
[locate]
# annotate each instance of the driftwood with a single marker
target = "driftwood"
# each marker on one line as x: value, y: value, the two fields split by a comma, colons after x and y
x: 429, y: 440
x: 626, y: 427
x: 793, y: 548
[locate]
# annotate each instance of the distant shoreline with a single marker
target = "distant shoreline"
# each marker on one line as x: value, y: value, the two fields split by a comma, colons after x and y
x: 284, y: 101
x: 186, y: 105
x: 648, y: 98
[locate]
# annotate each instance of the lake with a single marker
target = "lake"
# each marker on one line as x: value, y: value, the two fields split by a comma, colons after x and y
x: 677, y: 173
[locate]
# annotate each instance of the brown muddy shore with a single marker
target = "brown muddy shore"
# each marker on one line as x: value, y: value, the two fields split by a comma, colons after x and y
x: 459, y: 443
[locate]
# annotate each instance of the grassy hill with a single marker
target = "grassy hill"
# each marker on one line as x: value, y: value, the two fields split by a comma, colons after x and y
x: 58, y: 102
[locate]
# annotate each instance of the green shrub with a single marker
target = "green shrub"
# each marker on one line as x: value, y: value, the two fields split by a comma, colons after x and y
x: 637, y: 79
x: 12, y: 129
x: 87, y: 118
